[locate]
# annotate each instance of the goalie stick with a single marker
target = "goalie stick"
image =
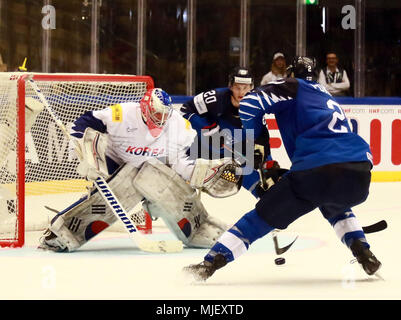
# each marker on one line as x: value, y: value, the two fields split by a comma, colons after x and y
x: 118, y: 210
x: 102, y: 186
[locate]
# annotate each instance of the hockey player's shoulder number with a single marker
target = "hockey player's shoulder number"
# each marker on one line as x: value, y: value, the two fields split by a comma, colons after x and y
x: 209, y: 96
x: 339, y: 122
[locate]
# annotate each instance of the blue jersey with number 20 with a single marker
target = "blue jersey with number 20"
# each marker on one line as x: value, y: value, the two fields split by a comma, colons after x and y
x: 312, y: 125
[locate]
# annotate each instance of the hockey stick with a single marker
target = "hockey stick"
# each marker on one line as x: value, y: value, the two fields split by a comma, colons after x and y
x: 109, y: 197
x: 118, y: 210
x: 376, y: 227
x: 277, y: 248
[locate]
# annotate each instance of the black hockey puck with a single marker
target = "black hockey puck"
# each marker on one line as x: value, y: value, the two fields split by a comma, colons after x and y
x: 279, y: 261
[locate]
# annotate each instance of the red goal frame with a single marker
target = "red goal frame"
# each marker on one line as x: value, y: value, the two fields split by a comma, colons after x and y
x: 19, y: 239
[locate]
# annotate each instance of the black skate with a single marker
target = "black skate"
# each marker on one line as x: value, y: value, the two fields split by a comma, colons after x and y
x: 365, y: 258
x: 205, y: 269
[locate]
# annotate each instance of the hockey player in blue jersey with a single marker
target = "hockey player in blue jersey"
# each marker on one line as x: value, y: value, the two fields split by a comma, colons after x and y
x: 330, y: 169
x: 214, y: 115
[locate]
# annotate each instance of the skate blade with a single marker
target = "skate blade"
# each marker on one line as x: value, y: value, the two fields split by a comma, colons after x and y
x: 379, y: 276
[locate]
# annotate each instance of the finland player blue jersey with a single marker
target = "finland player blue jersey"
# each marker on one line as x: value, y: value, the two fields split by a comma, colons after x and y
x: 215, y: 106
x: 312, y: 125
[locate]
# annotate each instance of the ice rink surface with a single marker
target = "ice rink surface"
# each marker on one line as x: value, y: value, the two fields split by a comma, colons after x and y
x: 317, y: 267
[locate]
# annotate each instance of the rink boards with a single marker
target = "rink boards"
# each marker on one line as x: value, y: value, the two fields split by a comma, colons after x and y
x: 377, y: 120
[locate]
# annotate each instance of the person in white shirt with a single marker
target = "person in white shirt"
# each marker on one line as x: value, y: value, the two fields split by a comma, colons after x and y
x: 333, y: 77
x: 278, y: 69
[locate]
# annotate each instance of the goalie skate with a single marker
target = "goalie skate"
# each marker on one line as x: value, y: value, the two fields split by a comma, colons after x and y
x: 50, y: 241
x: 87, y: 217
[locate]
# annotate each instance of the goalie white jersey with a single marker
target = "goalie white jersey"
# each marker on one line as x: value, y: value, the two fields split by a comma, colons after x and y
x: 131, y: 142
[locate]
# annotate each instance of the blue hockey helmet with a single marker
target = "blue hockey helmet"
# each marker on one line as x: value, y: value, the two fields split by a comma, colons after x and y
x: 240, y: 75
x: 304, y: 68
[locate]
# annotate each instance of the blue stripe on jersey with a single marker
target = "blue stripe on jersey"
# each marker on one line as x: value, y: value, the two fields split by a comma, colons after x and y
x: 85, y: 121
x: 78, y: 135
x: 340, y: 217
x: 238, y: 239
x: 259, y: 103
x: 251, y: 112
x: 252, y: 226
x: 267, y: 100
x: 349, y: 238
x: 247, y: 115
x: 219, y: 248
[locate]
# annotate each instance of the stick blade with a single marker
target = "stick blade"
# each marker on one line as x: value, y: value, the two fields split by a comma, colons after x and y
x: 165, y: 246
x: 282, y: 250
x: 376, y: 227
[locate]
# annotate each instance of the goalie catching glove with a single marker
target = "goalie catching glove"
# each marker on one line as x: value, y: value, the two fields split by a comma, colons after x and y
x: 219, y: 178
x: 91, y: 151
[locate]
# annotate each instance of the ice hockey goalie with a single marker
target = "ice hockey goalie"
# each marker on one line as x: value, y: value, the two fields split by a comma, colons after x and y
x: 141, y: 149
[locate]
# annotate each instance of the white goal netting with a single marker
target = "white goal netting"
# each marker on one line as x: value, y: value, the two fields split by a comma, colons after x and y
x: 49, y: 177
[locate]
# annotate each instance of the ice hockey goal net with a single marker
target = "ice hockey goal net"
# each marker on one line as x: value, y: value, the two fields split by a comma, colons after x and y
x: 36, y: 169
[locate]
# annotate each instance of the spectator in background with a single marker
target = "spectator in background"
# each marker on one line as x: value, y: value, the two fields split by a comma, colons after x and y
x: 278, y: 69
x: 3, y: 66
x: 333, y: 77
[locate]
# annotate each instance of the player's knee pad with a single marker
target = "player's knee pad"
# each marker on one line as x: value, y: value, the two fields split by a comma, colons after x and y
x: 177, y: 203
x: 87, y: 217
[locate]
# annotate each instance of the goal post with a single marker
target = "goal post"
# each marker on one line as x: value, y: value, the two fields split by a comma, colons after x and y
x: 36, y: 168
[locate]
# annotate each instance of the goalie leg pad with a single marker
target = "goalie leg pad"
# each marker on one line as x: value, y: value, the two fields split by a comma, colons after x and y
x: 177, y: 203
x: 58, y: 237
x: 208, y: 233
x: 87, y: 217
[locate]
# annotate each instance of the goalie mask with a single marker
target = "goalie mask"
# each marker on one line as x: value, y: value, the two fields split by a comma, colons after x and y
x: 156, y: 110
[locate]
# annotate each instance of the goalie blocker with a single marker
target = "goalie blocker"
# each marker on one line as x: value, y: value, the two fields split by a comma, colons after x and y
x: 166, y: 194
